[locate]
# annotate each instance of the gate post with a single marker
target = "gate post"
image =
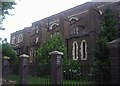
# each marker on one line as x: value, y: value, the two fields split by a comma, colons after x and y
x: 5, y: 67
x: 56, y: 76
x: 23, y: 69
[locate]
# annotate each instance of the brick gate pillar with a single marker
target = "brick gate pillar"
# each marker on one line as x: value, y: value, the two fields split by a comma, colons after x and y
x: 5, y: 68
x: 114, y: 47
x: 56, y: 76
x: 23, y: 69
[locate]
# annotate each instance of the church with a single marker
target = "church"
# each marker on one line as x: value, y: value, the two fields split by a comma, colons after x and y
x: 79, y: 27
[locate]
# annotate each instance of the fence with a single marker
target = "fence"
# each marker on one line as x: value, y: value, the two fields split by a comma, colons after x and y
x: 14, y: 73
x: 40, y: 74
x: 53, y: 73
x: 73, y: 76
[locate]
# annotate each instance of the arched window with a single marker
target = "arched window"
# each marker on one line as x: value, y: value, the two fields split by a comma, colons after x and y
x: 31, y: 55
x: 37, y: 31
x: 73, y: 20
x: 75, y: 50
x: 13, y: 40
x: 54, y: 25
x: 83, y: 50
x: 75, y: 30
x: 20, y: 38
x: 37, y: 39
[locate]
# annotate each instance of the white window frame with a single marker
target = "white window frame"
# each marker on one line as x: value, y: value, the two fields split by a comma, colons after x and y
x: 37, y: 31
x: 73, y: 51
x: 37, y: 39
x: 20, y: 38
x: 31, y: 56
x: 51, y: 27
x: 73, y: 18
x: 13, y: 40
x: 76, y: 30
x: 81, y: 50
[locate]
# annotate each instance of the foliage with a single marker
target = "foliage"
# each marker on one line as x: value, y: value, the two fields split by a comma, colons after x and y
x: 41, y: 70
x: 8, y: 51
x: 5, y: 6
x: 55, y: 43
x: 71, y: 69
x: 101, y: 68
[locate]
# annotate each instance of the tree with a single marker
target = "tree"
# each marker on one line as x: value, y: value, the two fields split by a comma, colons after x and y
x: 55, y: 43
x: 101, y: 68
x: 9, y: 52
x: 4, y: 7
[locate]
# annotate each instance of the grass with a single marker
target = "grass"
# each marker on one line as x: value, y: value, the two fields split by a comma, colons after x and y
x: 81, y: 82
x: 38, y: 80
x: 13, y: 78
x: 31, y: 79
x: 46, y: 80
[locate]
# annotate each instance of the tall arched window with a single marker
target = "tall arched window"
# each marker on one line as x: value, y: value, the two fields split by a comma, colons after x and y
x: 20, y: 38
x: 54, y: 25
x: 83, y: 50
x: 75, y: 50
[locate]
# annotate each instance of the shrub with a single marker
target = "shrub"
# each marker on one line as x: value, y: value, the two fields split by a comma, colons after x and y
x: 71, y: 69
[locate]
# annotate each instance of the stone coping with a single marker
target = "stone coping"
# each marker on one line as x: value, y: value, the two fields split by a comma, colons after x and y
x: 56, y: 52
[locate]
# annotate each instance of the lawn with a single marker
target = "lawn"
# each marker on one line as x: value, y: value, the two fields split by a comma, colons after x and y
x: 38, y: 80
x: 31, y: 79
x: 45, y: 80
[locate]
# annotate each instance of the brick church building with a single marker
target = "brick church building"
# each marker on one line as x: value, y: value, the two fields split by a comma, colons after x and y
x: 79, y: 26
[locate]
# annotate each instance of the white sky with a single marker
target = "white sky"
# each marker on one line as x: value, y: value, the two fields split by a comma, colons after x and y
x: 28, y: 11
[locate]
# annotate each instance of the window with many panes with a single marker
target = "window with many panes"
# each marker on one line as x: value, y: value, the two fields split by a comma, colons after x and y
x: 20, y: 38
x: 13, y: 40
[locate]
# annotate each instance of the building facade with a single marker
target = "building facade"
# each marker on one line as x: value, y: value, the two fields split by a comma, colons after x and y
x: 79, y: 26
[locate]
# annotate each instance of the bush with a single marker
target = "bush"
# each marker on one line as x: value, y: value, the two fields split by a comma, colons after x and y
x: 44, y: 70
x: 39, y: 70
x: 71, y: 69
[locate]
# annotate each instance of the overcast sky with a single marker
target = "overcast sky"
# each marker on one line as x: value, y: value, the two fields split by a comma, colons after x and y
x: 28, y: 11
